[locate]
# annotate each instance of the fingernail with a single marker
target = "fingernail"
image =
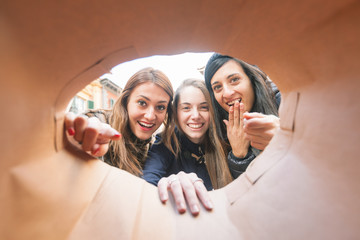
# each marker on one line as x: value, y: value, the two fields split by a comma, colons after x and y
x: 209, y: 204
x: 195, y: 209
x: 71, y: 131
x: 163, y: 198
x: 96, y: 151
x: 118, y: 135
x: 182, y: 208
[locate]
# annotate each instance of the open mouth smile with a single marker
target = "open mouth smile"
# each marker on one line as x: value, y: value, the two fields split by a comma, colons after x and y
x: 195, y: 126
x: 146, y: 125
x: 233, y: 102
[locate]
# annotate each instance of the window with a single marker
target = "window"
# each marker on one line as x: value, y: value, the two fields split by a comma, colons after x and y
x: 112, y: 102
x: 90, y: 104
x: 77, y: 105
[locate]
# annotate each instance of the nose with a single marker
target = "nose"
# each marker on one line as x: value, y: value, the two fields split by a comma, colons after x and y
x: 195, y: 113
x: 228, y: 91
x: 150, y: 113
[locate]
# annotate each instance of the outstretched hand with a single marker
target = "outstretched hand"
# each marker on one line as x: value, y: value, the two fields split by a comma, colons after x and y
x: 93, y: 135
x: 185, y: 188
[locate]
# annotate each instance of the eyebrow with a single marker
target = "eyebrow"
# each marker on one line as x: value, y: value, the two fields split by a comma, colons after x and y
x: 214, y: 83
x: 186, y: 103
x: 162, y: 101
x: 229, y: 76
x: 233, y: 74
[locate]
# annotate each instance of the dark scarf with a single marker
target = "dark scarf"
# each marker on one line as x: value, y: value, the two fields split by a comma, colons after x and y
x: 191, y: 150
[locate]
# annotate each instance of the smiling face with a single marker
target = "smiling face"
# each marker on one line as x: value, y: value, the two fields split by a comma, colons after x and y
x: 147, y: 108
x: 230, y: 84
x: 193, y: 114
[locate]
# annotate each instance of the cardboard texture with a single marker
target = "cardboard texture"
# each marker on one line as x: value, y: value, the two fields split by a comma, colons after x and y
x: 305, y: 185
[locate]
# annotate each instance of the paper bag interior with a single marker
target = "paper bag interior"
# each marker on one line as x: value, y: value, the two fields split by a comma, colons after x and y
x: 305, y: 185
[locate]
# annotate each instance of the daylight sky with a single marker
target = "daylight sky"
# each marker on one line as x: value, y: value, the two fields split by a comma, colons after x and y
x: 176, y: 67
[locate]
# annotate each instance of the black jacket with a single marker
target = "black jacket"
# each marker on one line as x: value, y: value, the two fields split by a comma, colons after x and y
x: 238, y: 165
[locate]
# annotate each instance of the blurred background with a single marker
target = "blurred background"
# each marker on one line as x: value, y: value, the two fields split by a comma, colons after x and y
x: 103, y: 92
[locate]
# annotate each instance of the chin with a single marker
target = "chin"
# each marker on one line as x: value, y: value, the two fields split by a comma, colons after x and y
x: 143, y: 136
x: 196, y: 139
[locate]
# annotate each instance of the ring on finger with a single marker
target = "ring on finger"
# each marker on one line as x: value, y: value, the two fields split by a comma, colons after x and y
x: 171, y: 181
x: 197, y: 180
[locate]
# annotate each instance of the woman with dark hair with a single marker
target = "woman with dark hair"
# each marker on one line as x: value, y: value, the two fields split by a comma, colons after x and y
x: 245, y: 106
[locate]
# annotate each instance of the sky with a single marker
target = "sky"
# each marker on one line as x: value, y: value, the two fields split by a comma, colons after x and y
x: 176, y: 67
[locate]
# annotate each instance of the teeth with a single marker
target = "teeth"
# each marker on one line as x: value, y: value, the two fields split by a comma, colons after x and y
x: 146, y: 125
x: 233, y: 102
x: 195, y: 125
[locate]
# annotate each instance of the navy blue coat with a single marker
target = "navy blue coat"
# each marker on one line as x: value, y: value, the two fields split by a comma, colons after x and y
x: 161, y: 162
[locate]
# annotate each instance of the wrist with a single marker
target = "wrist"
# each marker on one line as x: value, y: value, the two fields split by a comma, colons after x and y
x: 240, y: 154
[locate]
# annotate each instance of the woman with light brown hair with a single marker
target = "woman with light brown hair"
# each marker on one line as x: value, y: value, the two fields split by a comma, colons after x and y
x: 143, y: 106
x: 200, y: 150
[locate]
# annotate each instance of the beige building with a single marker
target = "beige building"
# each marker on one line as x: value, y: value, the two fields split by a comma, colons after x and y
x: 99, y: 94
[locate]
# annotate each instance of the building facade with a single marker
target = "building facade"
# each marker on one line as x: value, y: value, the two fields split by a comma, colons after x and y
x: 99, y: 94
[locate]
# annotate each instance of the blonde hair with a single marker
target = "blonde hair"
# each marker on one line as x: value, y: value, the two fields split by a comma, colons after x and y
x: 129, y: 153
x: 215, y: 158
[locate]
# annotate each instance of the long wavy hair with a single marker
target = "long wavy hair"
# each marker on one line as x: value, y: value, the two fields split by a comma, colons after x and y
x: 264, y: 96
x: 129, y: 153
x: 214, y: 154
